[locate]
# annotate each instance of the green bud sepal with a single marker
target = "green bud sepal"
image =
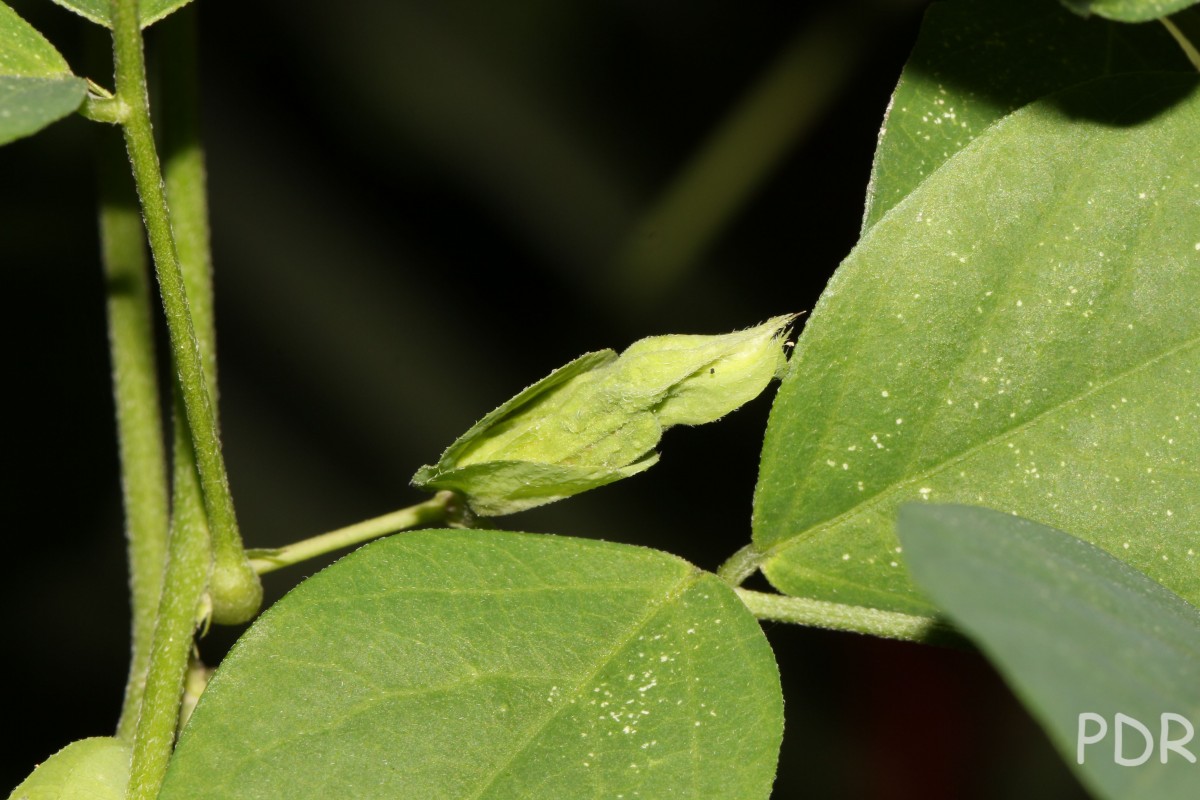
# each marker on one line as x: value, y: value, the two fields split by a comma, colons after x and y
x: 597, y: 419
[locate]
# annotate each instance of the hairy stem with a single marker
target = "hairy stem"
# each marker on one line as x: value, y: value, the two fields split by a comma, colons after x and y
x: 229, y: 558
x: 139, y: 421
x: 740, y: 566
x: 184, y: 177
x: 440, y: 507
x: 838, y: 617
x: 203, y: 533
x: 185, y: 181
x: 186, y: 577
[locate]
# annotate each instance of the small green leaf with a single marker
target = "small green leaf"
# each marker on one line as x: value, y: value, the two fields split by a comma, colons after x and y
x: 1075, y: 632
x: 29, y: 104
x: 1022, y: 331
x: 90, y: 769
x: 439, y: 665
x: 976, y: 61
x: 24, y: 51
x: 1128, y: 10
x: 36, y: 84
x: 98, y: 11
x: 597, y: 419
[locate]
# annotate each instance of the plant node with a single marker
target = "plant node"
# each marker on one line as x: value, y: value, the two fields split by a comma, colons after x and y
x: 236, y: 593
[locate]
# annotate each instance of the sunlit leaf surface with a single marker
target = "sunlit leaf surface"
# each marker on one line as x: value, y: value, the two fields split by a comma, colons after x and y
x: 1021, y: 332
x: 476, y: 664
x: 977, y: 60
x: 90, y: 769
x: 36, y: 84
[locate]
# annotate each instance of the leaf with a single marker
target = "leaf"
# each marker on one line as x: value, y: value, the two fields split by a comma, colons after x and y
x: 1021, y: 332
x: 1128, y: 10
x: 24, y: 51
x: 98, y: 11
x: 1074, y: 631
x: 597, y: 419
x: 36, y: 85
x: 29, y: 104
x: 474, y: 664
x: 976, y: 61
x: 90, y: 769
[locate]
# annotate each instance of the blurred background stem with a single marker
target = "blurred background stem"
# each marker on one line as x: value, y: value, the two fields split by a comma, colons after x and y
x: 743, y: 151
x: 139, y: 420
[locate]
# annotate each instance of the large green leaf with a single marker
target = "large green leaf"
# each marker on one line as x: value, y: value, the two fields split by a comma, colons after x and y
x: 1128, y: 10
x: 36, y: 85
x: 475, y: 664
x: 1075, y: 632
x: 98, y: 11
x: 24, y: 51
x: 29, y: 104
x: 1021, y: 332
x: 90, y: 769
x: 976, y: 61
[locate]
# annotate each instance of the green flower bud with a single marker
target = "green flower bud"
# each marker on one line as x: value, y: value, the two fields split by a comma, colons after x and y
x: 235, y: 591
x: 598, y: 419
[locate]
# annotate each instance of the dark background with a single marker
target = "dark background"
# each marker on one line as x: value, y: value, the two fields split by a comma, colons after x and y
x: 418, y: 209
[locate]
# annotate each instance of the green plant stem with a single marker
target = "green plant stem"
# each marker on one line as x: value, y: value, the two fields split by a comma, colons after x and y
x: 204, y: 531
x: 189, y: 558
x: 438, y: 508
x: 1184, y: 43
x: 184, y: 177
x: 139, y: 141
x: 838, y: 617
x: 167, y: 700
x: 740, y: 566
x: 139, y: 421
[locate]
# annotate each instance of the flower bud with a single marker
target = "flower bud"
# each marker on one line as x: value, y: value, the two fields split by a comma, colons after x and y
x: 597, y: 419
